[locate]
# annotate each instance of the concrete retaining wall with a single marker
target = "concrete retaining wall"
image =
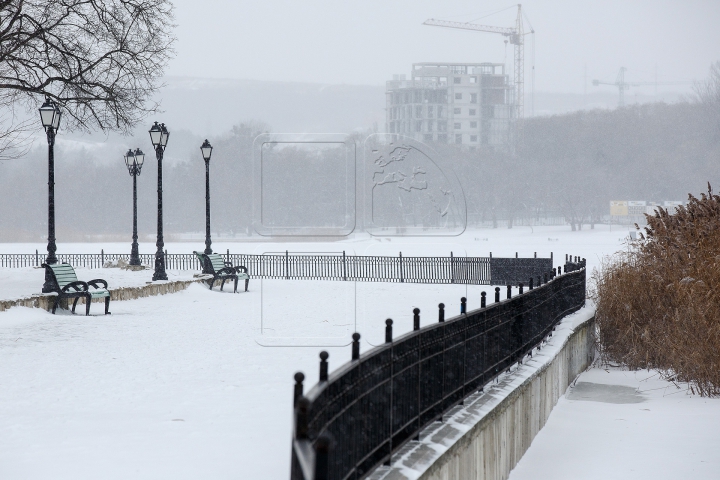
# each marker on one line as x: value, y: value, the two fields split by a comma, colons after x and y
x: 488, y: 435
x: 45, y: 301
x: 496, y: 444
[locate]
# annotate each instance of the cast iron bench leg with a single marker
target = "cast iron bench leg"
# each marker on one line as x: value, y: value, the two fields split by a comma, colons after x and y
x: 236, y: 282
x: 107, y: 304
x: 87, y: 305
x: 75, y: 303
x: 247, y: 280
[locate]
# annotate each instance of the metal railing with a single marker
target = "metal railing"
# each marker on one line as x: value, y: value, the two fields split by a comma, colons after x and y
x: 353, y: 420
x: 339, y: 267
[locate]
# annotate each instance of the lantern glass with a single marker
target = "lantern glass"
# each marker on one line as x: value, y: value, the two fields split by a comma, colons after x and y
x: 139, y: 158
x: 129, y: 158
x: 206, y: 150
x: 56, y: 118
x: 47, y: 113
x: 164, y: 136
x: 155, y: 134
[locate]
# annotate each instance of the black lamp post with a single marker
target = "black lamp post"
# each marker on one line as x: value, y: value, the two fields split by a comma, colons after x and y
x: 206, y: 150
x: 134, y: 162
x: 159, y: 137
x: 50, y: 117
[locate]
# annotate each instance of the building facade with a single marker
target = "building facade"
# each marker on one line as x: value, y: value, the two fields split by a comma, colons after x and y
x: 462, y: 103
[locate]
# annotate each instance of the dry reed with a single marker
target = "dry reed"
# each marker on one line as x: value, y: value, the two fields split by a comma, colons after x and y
x: 658, y: 303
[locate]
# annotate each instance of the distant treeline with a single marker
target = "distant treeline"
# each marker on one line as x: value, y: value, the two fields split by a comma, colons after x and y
x: 566, y: 165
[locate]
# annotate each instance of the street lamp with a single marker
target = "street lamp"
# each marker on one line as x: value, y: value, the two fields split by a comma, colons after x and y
x: 50, y: 117
x: 206, y: 150
x: 159, y: 137
x: 134, y: 162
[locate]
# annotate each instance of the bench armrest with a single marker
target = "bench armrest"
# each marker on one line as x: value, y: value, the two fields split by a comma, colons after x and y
x: 94, y: 283
x: 78, y: 286
x: 241, y: 269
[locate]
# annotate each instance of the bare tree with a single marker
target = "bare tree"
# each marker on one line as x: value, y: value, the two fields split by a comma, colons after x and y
x: 709, y: 90
x: 100, y: 60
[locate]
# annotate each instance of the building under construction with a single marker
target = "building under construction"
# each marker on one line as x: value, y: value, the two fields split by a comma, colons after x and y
x: 470, y: 104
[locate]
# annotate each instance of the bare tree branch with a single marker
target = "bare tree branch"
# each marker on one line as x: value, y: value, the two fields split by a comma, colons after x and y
x: 100, y: 60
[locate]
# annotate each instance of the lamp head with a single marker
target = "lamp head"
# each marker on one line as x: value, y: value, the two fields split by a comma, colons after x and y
x: 50, y: 114
x: 155, y: 134
x: 206, y: 150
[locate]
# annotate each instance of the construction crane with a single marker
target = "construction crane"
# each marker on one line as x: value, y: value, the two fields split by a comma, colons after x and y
x: 515, y: 35
x: 622, y: 85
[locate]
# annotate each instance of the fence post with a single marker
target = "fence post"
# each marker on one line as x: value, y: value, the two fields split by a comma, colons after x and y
x: 37, y: 264
x: 463, y: 305
x: 416, y: 319
x: 531, y: 283
x: 322, y: 449
x: 287, y: 269
x: 521, y: 288
x: 301, y: 418
x: 355, y: 348
x: 452, y: 268
x: 102, y: 257
x: 228, y: 254
x: 344, y: 267
x: 388, y: 330
x: 497, y: 294
x: 482, y: 299
x: 441, y: 312
x: 509, y: 291
x: 324, y: 366
x: 299, y: 377
x: 402, y: 277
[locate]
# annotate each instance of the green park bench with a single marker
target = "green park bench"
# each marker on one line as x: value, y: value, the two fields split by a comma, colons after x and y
x: 65, y: 283
x: 214, y: 264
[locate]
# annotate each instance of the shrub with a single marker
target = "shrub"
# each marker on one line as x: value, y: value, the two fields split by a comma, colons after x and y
x: 658, y: 302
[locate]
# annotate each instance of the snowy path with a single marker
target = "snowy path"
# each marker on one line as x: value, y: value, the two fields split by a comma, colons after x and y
x: 167, y: 387
x: 621, y: 425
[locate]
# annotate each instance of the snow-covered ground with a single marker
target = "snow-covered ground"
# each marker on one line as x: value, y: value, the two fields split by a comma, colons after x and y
x: 195, y: 384
x: 616, y: 424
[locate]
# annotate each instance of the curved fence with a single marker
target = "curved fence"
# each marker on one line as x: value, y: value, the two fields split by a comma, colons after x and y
x: 355, y: 419
x: 340, y: 267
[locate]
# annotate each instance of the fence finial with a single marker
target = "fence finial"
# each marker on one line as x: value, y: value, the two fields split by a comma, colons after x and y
x: 416, y: 319
x: 299, y: 377
x: 388, y: 330
x: 509, y: 291
x: 482, y: 299
x: 463, y: 305
x: 530, y: 285
x: 441, y: 312
x: 355, y: 346
x: 520, y: 287
x: 324, y: 366
x: 497, y: 294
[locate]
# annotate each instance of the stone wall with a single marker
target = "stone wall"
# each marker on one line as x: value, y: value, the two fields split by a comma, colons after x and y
x: 45, y: 301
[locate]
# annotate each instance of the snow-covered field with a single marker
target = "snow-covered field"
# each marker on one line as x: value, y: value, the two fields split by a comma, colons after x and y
x: 195, y: 384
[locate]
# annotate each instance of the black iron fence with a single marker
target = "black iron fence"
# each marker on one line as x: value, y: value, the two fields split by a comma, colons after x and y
x: 355, y: 419
x: 341, y: 267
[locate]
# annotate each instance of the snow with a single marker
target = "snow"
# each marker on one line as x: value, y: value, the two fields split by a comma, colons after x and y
x: 626, y: 425
x: 181, y: 386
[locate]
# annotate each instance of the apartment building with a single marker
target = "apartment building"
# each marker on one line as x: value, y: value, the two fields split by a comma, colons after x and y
x: 469, y: 104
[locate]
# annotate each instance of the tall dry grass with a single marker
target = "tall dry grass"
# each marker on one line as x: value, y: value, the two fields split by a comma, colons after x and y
x: 658, y: 303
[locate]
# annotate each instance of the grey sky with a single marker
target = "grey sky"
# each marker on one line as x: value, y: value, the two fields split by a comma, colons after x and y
x: 365, y: 42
